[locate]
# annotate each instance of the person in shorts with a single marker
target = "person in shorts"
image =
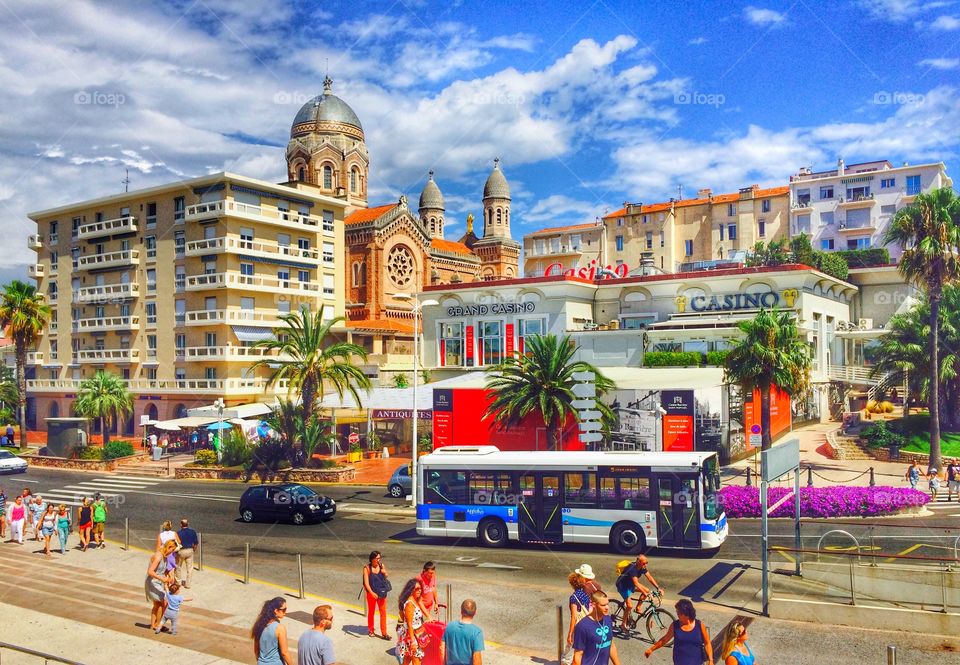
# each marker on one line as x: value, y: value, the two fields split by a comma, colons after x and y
x: 933, y: 478
x: 629, y: 582
x: 953, y: 479
x: 99, y: 519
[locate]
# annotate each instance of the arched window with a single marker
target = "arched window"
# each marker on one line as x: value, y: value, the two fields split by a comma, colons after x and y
x: 354, y: 179
x: 151, y: 411
x: 302, y: 174
x: 327, y: 177
x: 506, y: 216
x: 180, y: 411
x: 54, y: 409
x: 499, y: 216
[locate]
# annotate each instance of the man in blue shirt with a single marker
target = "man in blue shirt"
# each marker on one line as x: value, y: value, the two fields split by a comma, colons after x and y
x: 593, y: 636
x: 314, y: 647
x: 189, y: 542
x: 462, y: 641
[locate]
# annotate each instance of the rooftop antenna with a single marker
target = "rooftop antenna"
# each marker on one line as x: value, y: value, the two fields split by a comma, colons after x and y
x: 679, y: 192
x: 126, y: 181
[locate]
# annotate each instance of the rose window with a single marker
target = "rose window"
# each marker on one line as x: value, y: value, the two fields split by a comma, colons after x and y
x: 400, y: 266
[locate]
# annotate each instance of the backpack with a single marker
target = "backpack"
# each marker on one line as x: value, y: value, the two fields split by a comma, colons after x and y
x: 622, y: 566
x: 625, y: 579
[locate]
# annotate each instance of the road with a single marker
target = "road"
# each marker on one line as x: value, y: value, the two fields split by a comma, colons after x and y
x: 524, y: 584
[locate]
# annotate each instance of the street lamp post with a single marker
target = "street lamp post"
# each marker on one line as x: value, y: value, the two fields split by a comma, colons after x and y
x: 219, y: 436
x: 417, y: 311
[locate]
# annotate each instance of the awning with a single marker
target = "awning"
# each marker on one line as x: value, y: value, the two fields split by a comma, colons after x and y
x: 190, y: 422
x: 402, y: 398
x: 244, y: 411
x: 252, y: 333
x: 681, y: 322
x: 664, y: 378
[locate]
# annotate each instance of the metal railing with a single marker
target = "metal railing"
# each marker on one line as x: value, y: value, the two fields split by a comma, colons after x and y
x: 46, y: 657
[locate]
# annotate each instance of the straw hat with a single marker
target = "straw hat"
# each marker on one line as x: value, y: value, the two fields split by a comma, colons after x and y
x: 585, y: 571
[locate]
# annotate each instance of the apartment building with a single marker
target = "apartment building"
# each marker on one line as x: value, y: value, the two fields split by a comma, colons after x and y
x: 170, y: 287
x: 561, y: 248
x: 850, y: 207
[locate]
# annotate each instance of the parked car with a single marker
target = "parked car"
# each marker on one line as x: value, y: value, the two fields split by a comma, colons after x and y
x: 286, y: 501
x: 10, y: 463
x: 401, y: 484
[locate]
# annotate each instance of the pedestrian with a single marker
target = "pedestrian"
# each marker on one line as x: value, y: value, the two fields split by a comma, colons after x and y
x: 411, y: 636
x: 735, y: 650
x: 166, y: 535
x: 10, y: 436
x: 194, y: 440
x: 913, y: 474
x: 269, y: 635
x: 628, y: 583
x: 47, y: 524
x: 933, y: 480
x: 99, y: 519
x: 63, y: 527
x: 172, y: 600
x: 953, y: 479
x: 37, y: 507
x: 84, y: 523
x: 462, y: 640
x: 189, y: 545
x: 3, y: 514
x: 428, y: 580
x: 691, y: 641
x: 593, y: 636
x: 377, y: 586
x: 579, y: 603
x: 17, y: 511
x: 156, y: 582
x: 314, y: 647
x: 153, y: 441
x: 590, y: 583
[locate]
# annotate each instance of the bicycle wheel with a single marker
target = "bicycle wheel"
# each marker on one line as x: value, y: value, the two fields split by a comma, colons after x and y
x: 616, y: 615
x: 658, y: 621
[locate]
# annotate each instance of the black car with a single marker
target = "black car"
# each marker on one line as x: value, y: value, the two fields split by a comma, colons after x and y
x: 288, y: 501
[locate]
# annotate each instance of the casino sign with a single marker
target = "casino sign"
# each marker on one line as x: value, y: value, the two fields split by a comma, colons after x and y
x: 733, y: 301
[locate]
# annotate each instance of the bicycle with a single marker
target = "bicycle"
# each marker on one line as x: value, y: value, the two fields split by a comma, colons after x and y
x: 655, y: 618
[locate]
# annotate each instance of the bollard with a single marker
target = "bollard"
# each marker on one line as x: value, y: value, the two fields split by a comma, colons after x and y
x: 809, y: 476
x: 873, y: 483
x: 300, y: 573
x: 449, y: 604
x: 561, y: 643
x: 853, y: 589
x: 199, y: 551
x: 749, y: 478
x: 246, y: 563
x: 891, y: 655
x: 126, y: 533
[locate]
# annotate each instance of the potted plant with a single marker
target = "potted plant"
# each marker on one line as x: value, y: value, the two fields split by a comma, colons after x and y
x: 355, y: 453
x: 374, y: 445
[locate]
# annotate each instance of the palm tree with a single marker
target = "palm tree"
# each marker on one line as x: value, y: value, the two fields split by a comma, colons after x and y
x: 540, y: 380
x: 770, y: 354
x: 310, y: 358
x: 104, y: 396
x: 902, y: 355
x: 929, y: 234
x: 23, y: 314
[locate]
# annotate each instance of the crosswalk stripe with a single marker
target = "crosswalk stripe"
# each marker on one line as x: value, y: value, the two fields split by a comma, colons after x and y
x: 125, y: 479
x: 89, y: 490
x: 145, y: 478
x: 111, y: 486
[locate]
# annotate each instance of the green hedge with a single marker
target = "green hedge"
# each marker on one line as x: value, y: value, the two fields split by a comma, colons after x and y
x: 672, y: 358
x: 833, y: 264
x: 717, y: 358
x: 863, y: 258
x: 116, y: 449
x: 205, y: 457
x: 89, y: 453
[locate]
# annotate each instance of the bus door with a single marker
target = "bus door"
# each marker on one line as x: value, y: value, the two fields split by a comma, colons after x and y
x: 678, y: 515
x: 539, y: 514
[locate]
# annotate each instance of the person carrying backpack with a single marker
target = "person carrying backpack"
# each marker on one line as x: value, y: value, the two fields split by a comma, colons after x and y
x: 628, y: 582
x: 377, y: 586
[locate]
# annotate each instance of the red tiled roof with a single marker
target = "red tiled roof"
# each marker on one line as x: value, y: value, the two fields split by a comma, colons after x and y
x: 718, y: 198
x: 369, y: 214
x: 450, y: 246
x: 384, y: 325
x: 563, y: 229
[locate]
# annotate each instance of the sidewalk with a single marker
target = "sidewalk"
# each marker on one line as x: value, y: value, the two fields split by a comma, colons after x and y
x: 91, y: 607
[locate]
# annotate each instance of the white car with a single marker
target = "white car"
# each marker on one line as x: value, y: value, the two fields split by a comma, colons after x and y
x: 10, y: 463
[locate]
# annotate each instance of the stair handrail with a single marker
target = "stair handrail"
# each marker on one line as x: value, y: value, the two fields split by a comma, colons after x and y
x: 39, y: 654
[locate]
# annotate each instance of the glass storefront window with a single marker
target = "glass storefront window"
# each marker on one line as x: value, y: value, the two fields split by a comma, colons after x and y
x: 491, y: 342
x: 528, y: 328
x: 451, y: 345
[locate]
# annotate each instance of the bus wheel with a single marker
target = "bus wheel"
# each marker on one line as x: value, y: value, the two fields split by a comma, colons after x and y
x: 627, y: 538
x: 492, y: 532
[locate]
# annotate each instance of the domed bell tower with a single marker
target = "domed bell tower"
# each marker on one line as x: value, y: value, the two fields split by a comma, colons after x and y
x: 499, y: 253
x: 431, y: 208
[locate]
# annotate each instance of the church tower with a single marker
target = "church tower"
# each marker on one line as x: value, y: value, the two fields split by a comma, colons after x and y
x: 327, y: 149
x: 431, y: 209
x: 499, y: 253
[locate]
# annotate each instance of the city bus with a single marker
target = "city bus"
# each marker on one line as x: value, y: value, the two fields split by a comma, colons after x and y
x: 627, y: 500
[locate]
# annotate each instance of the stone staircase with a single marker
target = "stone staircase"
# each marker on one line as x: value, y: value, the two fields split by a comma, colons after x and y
x: 847, y: 447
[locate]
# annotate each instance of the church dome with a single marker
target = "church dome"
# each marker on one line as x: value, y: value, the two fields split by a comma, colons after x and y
x: 496, y: 186
x: 324, y: 109
x: 431, y: 197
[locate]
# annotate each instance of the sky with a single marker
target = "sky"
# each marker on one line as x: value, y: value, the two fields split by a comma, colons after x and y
x: 587, y: 104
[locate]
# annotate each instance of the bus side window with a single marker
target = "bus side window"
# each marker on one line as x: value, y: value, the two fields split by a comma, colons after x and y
x: 580, y: 489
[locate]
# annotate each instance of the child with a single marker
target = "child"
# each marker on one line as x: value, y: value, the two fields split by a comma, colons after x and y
x: 934, y: 478
x: 173, y: 600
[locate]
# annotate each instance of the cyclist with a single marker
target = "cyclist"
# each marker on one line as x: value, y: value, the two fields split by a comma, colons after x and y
x: 629, y: 582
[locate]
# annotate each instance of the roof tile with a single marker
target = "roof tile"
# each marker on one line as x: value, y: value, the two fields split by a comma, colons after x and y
x: 369, y: 214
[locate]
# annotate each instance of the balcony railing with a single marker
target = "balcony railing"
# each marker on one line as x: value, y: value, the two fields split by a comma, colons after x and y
x: 857, y: 201
x: 106, y: 355
x: 36, y: 270
x: 254, y: 213
x: 34, y: 357
x: 851, y: 374
x: 227, y: 353
x: 250, y: 386
x: 802, y: 205
x: 127, y: 224
x: 127, y: 257
x: 106, y: 323
x: 204, y: 317
x: 252, y: 247
x: 91, y: 294
x: 249, y: 283
x: 34, y: 242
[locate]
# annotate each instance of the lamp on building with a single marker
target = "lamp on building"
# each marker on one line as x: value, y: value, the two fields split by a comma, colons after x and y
x: 417, y: 311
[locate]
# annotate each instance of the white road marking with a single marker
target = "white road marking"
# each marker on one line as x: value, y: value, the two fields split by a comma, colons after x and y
x: 112, y: 486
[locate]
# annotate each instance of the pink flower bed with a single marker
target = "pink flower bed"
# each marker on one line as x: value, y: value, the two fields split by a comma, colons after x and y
x: 841, y: 501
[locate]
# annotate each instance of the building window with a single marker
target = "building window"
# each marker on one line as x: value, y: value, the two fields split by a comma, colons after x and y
x: 451, y: 345
x: 491, y: 342
x: 180, y: 278
x: 826, y: 218
x: 688, y: 247
x: 826, y: 192
x: 528, y: 328
x: 210, y: 373
x: 151, y: 244
x: 731, y: 209
x: 888, y: 183
x: 151, y: 346
x: 328, y: 252
x: 858, y: 193
x: 359, y: 273
x: 152, y: 313
x: 644, y: 218
x: 575, y: 241
x: 913, y: 185
x: 54, y: 349
x: 803, y: 197
x: 803, y: 224
x: 180, y: 341
x: 180, y: 374
x: 54, y: 260
x: 180, y: 311
x: 125, y: 310
x: 246, y: 269
x: 826, y: 244
x: 210, y: 267
x: 284, y: 277
x: 858, y: 243
x: 662, y: 240
x: 151, y: 215
x: 151, y: 280
x: 354, y: 179
x: 179, y: 243
x: 765, y: 205
x: 761, y: 229
x: 721, y: 232
x: 151, y: 373
x: 74, y: 227
x: 179, y: 209
x: 52, y: 291
x: 304, y: 245
x: 301, y: 174
x: 620, y: 221
x: 619, y: 243
x: 329, y: 284
x: 732, y: 231
x: 303, y: 275
x: 246, y: 238
x: 328, y: 221
x: 74, y: 256
x: 650, y: 239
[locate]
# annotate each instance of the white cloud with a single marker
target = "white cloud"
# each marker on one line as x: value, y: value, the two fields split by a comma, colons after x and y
x: 697, y: 41
x: 946, y: 23
x: 898, y: 11
x: 560, y: 210
x: 940, y: 63
x: 764, y: 17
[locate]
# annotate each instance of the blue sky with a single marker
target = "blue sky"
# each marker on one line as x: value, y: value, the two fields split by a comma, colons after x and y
x: 587, y: 104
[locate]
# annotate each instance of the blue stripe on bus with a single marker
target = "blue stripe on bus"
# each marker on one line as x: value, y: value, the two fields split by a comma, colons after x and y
x: 720, y: 525
x: 583, y: 521
x: 471, y: 513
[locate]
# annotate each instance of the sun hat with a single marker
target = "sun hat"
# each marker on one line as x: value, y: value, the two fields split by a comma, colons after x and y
x: 585, y: 571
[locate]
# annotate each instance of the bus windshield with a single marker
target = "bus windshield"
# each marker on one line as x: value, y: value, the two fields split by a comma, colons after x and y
x: 711, y: 487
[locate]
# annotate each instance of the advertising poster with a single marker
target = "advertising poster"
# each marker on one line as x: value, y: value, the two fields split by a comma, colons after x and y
x: 469, y: 342
x: 442, y: 417
x: 780, y: 416
x: 509, y: 339
x: 635, y: 425
x: 678, y: 420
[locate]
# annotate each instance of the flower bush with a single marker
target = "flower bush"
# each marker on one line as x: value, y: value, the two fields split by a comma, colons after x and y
x: 739, y: 501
